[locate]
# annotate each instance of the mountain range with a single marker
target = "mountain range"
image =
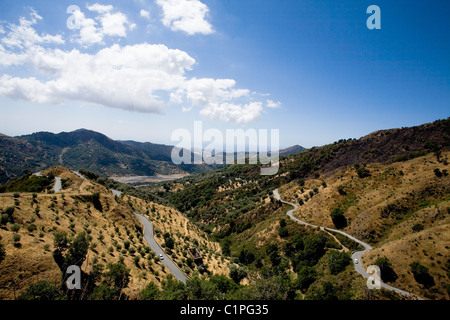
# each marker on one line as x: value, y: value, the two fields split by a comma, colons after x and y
x: 94, y: 151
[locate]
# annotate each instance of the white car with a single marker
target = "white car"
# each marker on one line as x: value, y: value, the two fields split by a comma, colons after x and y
x: 161, y: 257
x: 356, y: 261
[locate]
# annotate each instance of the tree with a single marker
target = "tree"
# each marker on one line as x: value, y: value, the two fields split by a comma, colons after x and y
x: 283, y: 232
x: 306, y: 276
x: 169, y: 243
x: 118, y: 275
x: 327, y: 292
x: 297, y: 242
x: 314, y: 250
x: 77, y: 251
x: 150, y: 292
x: 339, y: 220
x: 387, y: 273
x: 237, y: 273
x: 246, y: 257
x: 438, y: 172
x: 422, y: 275
x: 60, y: 241
x: 223, y: 283
x: 274, y: 257
x: 2, y: 252
x: 42, y: 290
x: 104, y: 292
x: 362, y: 171
x: 7, y: 215
x: 173, y: 289
x: 338, y: 261
x: 417, y: 227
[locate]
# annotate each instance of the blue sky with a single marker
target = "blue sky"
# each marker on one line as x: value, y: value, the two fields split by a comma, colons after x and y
x: 141, y: 69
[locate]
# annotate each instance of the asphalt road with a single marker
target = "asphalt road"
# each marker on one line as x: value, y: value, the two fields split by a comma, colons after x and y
x: 356, y: 256
x: 148, y: 235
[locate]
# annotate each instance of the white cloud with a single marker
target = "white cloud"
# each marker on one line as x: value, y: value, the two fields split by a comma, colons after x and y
x: 142, y: 77
x: 230, y: 112
x: 100, y: 8
x: 185, y: 15
x: 272, y: 104
x: 106, y: 23
x: 24, y: 35
x: 89, y: 34
x: 119, y: 77
x: 114, y: 24
x: 144, y: 14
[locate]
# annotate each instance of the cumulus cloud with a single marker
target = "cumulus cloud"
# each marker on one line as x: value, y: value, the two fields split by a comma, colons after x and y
x: 141, y: 77
x: 24, y: 35
x: 188, y: 16
x: 272, y: 104
x: 106, y: 23
x: 144, y: 14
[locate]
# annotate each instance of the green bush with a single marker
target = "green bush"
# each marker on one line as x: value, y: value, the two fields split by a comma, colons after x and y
x: 43, y: 290
x: 339, y: 220
x: 306, y: 276
x: 150, y: 292
x: 387, y: 273
x: 338, y: 261
x: 422, y: 275
x: 2, y: 252
x: 417, y: 227
x: 438, y: 172
x: 31, y: 227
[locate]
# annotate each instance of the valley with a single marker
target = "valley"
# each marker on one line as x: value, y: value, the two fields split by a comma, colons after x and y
x: 387, y: 193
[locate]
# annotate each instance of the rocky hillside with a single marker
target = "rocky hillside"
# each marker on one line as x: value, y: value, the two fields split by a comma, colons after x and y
x: 85, y: 149
x: 30, y: 223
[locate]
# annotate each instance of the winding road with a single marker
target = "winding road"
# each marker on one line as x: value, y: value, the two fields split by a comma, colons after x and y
x: 356, y: 256
x: 148, y: 235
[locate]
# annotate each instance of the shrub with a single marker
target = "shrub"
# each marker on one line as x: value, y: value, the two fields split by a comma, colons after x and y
x: 306, y: 276
x: 422, y: 275
x: 15, y: 227
x: 418, y: 227
x: 338, y: 261
x: 16, y: 237
x: 246, y: 257
x: 43, y: 290
x: 387, y: 273
x: 339, y: 220
x: 150, y: 292
x: 2, y: 252
x: 31, y: 227
x: 342, y: 191
x: 438, y: 172
x: 283, y: 232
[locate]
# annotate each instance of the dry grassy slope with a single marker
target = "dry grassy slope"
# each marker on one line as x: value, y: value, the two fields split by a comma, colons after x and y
x: 367, y: 198
x: 33, y: 261
x: 185, y: 234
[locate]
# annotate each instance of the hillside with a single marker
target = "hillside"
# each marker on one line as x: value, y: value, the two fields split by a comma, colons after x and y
x: 30, y: 222
x: 86, y: 149
x: 390, y: 188
x: 401, y: 209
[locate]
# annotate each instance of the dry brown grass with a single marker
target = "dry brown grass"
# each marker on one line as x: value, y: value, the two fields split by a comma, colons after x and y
x: 185, y: 234
x: 394, y: 238
x: 69, y: 212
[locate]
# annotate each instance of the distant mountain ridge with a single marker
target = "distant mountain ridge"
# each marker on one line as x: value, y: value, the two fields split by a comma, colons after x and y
x: 87, y: 149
